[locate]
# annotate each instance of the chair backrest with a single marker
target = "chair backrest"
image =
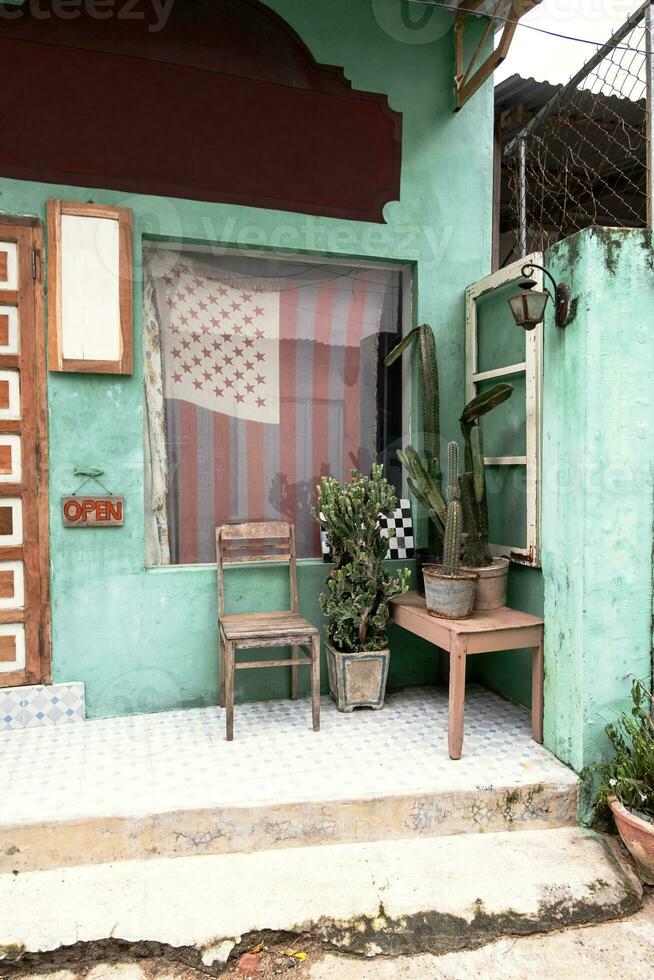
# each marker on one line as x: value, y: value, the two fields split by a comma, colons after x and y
x: 265, y: 541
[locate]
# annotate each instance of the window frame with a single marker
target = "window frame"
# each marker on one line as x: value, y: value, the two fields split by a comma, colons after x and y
x: 408, y: 273
x: 532, y: 369
x: 56, y: 361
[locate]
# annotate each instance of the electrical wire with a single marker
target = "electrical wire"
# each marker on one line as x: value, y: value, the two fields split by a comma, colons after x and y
x: 454, y: 8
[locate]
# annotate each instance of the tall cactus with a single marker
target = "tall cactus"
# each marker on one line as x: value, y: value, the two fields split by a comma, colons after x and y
x: 472, y: 483
x: 425, y: 480
x: 453, y: 522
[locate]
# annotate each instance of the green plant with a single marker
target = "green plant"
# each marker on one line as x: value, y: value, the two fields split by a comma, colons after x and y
x: 359, y: 587
x: 428, y: 470
x: 629, y: 774
x: 453, y: 529
x: 476, y: 552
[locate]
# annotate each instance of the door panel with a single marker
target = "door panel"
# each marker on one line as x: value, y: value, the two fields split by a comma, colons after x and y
x: 24, y: 592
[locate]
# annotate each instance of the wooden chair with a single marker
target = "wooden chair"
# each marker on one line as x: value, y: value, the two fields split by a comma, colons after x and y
x: 274, y: 541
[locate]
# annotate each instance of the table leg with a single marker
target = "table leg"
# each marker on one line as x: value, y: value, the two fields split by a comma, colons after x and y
x: 457, y: 697
x: 537, y: 677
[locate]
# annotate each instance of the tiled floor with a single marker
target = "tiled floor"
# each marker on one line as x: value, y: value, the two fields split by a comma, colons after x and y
x: 180, y: 759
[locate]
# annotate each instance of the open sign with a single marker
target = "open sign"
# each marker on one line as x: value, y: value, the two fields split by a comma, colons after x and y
x: 92, y: 511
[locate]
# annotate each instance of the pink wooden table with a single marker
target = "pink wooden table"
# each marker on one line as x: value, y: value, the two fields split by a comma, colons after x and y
x: 485, y: 632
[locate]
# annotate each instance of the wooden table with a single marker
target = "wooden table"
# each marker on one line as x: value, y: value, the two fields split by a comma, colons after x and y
x: 484, y: 632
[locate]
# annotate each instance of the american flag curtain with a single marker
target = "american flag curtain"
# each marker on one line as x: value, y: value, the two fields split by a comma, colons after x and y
x: 269, y: 382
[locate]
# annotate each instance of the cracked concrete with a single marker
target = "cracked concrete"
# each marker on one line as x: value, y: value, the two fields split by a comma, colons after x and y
x: 395, y: 897
x: 624, y: 948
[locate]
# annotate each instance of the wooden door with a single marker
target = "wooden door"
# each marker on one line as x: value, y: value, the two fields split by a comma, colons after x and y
x: 24, y: 593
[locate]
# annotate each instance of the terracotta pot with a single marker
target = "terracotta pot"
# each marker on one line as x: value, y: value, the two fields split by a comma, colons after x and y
x: 357, y: 680
x: 449, y: 596
x: 491, y: 587
x: 638, y: 836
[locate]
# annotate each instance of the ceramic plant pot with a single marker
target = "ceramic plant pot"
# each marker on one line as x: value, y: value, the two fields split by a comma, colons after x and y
x: 638, y: 836
x: 424, y: 557
x: 449, y: 596
x: 491, y: 588
x: 357, y: 680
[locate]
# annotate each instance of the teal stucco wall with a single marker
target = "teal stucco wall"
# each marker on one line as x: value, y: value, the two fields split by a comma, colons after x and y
x: 146, y: 639
x: 598, y: 456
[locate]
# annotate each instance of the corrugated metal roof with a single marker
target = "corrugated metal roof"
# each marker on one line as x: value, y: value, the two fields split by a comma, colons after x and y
x: 528, y: 92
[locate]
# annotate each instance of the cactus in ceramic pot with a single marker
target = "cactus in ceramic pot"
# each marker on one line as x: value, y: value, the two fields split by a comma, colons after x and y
x: 449, y: 592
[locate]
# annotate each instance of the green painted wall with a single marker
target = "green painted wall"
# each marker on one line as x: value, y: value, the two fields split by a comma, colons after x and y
x: 598, y: 488
x: 146, y: 640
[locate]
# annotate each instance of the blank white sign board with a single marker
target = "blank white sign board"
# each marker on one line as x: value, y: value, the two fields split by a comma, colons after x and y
x: 90, y: 288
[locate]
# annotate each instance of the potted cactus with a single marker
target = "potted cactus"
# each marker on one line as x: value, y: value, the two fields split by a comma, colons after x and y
x: 359, y: 587
x: 429, y: 463
x: 450, y: 592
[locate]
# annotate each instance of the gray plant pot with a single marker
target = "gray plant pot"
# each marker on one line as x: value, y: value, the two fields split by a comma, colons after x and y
x: 357, y: 680
x: 449, y: 596
x: 491, y: 588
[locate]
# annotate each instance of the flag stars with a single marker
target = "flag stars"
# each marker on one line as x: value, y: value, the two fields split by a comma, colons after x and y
x: 258, y: 334
x: 239, y: 375
x: 238, y: 352
x: 218, y: 391
x: 260, y: 379
x: 206, y: 352
x: 176, y: 352
x: 261, y: 402
x: 196, y: 336
x: 249, y: 342
x: 186, y: 343
x: 260, y: 356
x: 249, y: 388
x: 207, y: 375
x: 187, y: 367
x: 225, y: 314
x: 258, y: 311
x: 247, y: 319
x: 177, y: 377
x: 239, y: 397
x: 249, y: 365
x: 235, y: 306
x: 197, y: 360
x: 197, y: 384
x: 229, y: 383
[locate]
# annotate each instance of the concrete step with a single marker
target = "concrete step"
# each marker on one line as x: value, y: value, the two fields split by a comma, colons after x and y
x: 169, y: 785
x: 437, y: 895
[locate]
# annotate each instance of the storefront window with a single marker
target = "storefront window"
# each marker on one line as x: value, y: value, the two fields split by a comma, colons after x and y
x: 261, y: 376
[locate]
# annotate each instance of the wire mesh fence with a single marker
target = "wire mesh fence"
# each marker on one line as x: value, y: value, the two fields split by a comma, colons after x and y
x: 583, y: 159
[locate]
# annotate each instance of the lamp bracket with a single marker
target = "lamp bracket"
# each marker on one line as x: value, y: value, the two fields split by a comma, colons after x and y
x: 561, y: 298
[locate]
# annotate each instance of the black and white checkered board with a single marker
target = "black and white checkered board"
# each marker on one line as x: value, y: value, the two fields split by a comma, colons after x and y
x: 398, y: 528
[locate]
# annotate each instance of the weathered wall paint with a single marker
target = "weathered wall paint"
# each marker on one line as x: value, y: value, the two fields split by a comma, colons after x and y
x: 146, y: 639
x: 597, y: 488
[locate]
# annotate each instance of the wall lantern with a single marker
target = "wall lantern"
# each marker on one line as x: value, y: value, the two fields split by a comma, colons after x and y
x: 528, y: 307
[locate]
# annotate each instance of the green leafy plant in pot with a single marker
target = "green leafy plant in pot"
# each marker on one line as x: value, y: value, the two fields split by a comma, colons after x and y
x: 359, y: 587
x: 477, y: 557
x: 429, y: 463
x: 449, y: 591
x: 627, y: 779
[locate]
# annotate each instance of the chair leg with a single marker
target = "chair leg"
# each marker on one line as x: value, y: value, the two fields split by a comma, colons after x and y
x: 294, y: 654
x: 229, y: 690
x: 315, y: 682
x: 221, y: 664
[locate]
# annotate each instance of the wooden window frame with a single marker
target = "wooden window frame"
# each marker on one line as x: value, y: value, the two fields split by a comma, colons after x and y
x: 56, y: 359
x: 32, y: 428
x: 532, y: 369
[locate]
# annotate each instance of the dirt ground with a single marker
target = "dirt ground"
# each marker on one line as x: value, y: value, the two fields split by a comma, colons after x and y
x: 623, y: 949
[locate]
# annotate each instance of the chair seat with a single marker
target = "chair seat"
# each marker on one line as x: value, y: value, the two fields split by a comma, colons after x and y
x: 268, y: 625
